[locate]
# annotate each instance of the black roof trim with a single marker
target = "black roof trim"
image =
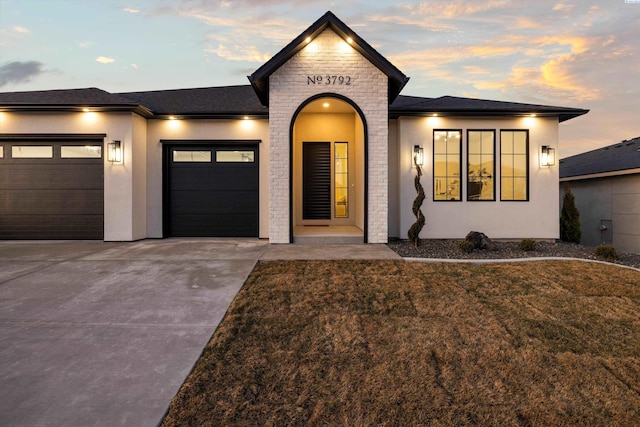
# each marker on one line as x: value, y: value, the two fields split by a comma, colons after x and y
x: 260, y: 78
x: 70, y: 100
x: 457, y: 106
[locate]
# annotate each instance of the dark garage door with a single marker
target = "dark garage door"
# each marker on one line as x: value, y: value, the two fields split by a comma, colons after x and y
x: 51, y: 190
x: 212, y: 191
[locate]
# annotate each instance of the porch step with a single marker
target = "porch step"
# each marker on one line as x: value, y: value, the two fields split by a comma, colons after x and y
x: 328, y: 240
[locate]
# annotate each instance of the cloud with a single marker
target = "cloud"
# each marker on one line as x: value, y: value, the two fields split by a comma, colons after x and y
x: 131, y: 10
x: 13, y: 34
x: 20, y: 72
x: 240, y: 53
x: 105, y: 59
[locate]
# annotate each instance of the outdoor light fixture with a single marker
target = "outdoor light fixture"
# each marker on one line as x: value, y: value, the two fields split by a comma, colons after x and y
x: 418, y: 155
x: 114, y: 152
x: 547, y: 156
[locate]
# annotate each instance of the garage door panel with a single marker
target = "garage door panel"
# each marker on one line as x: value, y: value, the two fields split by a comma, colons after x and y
x: 51, y: 227
x: 215, y: 225
x: 212, y: 199
x: 206, y: 179
x: 50, y: 177
x: 214, y: 202
x: 54, y: 197
x: 52, y: 202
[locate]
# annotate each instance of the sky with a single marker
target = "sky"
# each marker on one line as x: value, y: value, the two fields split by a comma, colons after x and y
x: 569, y: 53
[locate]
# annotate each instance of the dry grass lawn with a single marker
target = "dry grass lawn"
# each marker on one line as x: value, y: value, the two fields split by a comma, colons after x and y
x: 390, y: 343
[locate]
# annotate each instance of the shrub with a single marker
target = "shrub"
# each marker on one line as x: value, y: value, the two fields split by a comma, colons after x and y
x: 465, y: 246
x: 607, y: 252
x: 527, y: 245
x: 570, y: 218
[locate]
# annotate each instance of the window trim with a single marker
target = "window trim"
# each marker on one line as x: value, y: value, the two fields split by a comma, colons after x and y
x: 433, y: 183
x: 494, y: 166
x: 527, y: 167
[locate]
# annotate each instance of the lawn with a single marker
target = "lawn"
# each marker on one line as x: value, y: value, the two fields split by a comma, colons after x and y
x: 392, y: 343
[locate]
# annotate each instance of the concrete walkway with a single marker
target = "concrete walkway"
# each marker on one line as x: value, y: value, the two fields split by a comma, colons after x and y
x: 104, y: 334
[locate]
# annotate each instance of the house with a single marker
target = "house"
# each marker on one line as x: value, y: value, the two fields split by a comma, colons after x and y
x: 606, y: 186
x: 319, y: 146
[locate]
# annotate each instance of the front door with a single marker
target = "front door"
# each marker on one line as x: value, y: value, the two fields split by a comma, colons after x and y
x: 316, y: 180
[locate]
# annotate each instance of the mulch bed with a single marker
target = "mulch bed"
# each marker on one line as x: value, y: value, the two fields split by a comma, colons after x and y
x: 448, y: 249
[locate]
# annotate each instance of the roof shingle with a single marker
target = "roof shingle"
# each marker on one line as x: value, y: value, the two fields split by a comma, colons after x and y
x: 617, y: 157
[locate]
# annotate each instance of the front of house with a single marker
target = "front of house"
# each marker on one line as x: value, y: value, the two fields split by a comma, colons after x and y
x: 320, y: 144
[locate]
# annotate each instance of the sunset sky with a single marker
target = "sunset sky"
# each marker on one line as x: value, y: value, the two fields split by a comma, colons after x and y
x: 573, y: 53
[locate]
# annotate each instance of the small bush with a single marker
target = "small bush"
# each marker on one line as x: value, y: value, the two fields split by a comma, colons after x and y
x: 607, y: 252
x: 527, y: 245
x: 465, y: 246
x: 570, y: 218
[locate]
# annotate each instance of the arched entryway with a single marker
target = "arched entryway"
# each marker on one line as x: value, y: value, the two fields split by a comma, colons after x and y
x: 328, y: 149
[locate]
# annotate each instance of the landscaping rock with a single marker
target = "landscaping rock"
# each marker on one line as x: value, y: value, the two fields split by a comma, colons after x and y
x: 480, y: 241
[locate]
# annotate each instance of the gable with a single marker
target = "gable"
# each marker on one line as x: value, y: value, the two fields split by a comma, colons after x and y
x: 260, y: 78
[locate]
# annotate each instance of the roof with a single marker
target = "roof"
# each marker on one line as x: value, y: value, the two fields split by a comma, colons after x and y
x: 239, y: 101
x: 260, y: 78
x: 69, y: 100
x: 619, y: 157
x: 231, y: 101
x: 407, y: 106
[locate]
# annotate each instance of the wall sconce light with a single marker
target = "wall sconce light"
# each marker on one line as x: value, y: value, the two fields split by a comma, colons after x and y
x: 114, y: 152
x: 418, y: 155
x: 547, y: 156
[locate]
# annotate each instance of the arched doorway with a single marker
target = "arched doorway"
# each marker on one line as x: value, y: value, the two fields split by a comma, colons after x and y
x: 328, y: 172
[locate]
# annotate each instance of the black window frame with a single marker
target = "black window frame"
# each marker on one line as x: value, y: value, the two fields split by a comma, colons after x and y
x: 527, y: 167
x: 433, y: 187
x: 493, y: 175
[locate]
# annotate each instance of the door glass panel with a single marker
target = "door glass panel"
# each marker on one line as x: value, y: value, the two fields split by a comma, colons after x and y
x: 192, y: 156
x: 341, y: 181
x: 32, y: 152
x: 81, y: 151
x: 235, y: 156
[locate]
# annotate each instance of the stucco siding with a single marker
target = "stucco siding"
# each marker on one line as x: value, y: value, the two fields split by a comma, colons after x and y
x: 615, y: 199
x: 498, y: 219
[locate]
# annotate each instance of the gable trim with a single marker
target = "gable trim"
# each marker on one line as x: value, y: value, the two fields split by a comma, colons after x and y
x: 260, y: 78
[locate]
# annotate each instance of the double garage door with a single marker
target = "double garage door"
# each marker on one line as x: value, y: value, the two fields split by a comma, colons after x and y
x: 211, y: 190
x: 51, y: 188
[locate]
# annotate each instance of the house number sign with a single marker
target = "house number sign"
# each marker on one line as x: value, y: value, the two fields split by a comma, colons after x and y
x: 329, y: 80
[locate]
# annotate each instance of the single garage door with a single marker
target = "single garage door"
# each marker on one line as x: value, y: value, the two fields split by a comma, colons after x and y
x: 212, y: 191
x: 51, y: 189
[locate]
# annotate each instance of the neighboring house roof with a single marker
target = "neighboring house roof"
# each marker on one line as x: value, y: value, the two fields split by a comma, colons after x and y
x: 69, y: 100
x: 260, y: 78
x: 232, y: 101
x: 616, y: 159
x: 238, y: 101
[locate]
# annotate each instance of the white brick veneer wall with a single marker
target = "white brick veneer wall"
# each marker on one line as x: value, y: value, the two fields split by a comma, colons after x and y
x: 328, y: 54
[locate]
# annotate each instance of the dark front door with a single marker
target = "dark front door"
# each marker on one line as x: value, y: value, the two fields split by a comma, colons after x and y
x: 212, y: 191
x: 316, y: 180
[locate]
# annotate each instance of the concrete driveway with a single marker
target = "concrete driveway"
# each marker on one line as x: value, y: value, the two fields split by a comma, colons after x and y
x: 104, y: 334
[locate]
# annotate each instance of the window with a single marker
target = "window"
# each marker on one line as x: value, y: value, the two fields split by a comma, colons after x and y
x: 1, y: 151
x: 514, y: 165
x: 81, y: 152
x: 192, y: 156
x: 341, y: 181
x: 447, y: 161
x: 32, y: 152
x: 481, y: 165
x: 235, y: 156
